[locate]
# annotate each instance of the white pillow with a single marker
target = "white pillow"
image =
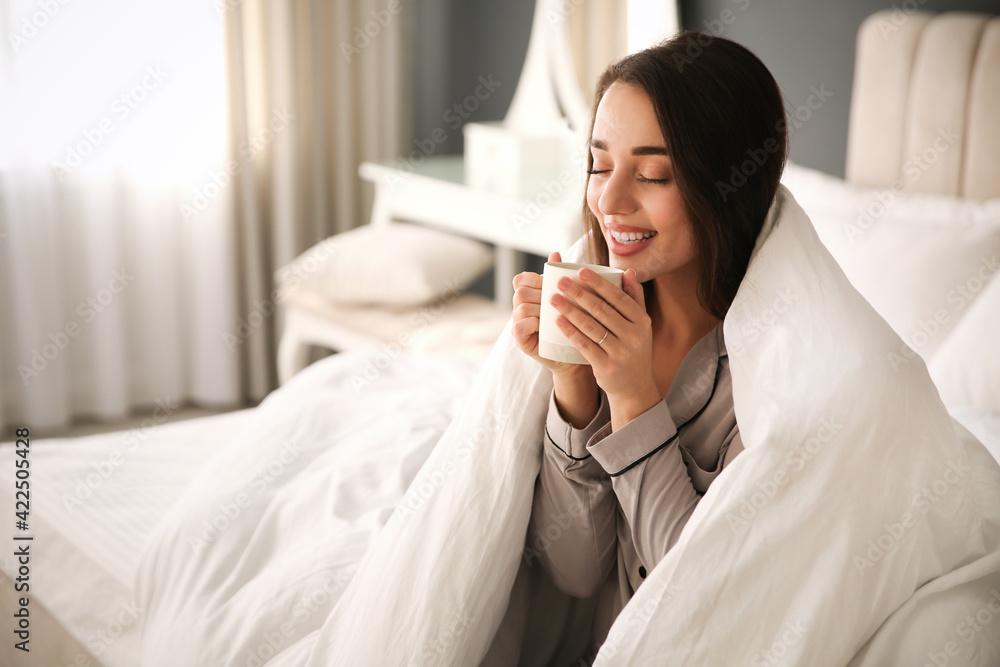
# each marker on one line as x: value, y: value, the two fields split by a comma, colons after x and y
x: 920, y: 260
x: 392, y: 264
x: 966, y: 368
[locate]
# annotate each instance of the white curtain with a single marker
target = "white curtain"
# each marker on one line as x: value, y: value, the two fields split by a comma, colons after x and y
x: 144, y: 204
x: 332, y: 75
x: 113, y: 112
x: 602, y: 31
x: 598, y: 32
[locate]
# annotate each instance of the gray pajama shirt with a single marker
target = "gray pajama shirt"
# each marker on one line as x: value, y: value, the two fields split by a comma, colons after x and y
x: 609, y: 505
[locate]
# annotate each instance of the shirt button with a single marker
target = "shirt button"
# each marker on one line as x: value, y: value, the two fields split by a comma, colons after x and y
x: 642, y: 572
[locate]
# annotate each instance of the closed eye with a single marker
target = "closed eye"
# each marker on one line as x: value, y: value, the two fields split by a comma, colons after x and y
x: 641, y: 179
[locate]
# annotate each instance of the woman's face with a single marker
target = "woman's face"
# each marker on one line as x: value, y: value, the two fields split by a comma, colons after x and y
x: 632, y: 190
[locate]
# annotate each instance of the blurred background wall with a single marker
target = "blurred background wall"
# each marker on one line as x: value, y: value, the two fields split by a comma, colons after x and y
x: 805, y: 43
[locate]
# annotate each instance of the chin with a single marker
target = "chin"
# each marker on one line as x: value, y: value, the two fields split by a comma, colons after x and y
x: 648, y: 263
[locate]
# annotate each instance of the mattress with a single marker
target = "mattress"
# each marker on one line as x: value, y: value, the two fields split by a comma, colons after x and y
x: 94, y: 500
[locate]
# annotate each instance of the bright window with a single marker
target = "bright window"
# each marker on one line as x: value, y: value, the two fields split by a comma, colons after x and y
x: 100, y: 83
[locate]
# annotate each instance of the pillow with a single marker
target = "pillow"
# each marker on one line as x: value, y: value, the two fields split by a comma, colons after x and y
x: 391, y: 264
x: 966, y: 368
x: 920, y: 260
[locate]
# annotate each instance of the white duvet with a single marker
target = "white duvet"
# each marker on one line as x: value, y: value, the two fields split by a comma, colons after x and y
x: 861, y: 525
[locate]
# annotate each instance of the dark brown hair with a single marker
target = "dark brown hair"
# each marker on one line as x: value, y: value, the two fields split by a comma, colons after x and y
x: 723, y: 120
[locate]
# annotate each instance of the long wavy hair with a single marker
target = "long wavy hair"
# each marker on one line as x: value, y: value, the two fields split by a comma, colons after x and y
x: 723, y: 120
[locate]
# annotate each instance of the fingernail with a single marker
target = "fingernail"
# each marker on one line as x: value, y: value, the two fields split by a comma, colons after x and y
x: 564, y: 284
x: 556, y: 300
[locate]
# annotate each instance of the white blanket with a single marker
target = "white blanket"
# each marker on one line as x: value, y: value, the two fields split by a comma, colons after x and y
x: 256, y: 553
x: 861, y: 525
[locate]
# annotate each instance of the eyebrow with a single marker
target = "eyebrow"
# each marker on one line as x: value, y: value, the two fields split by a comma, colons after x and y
x: 638, y: 150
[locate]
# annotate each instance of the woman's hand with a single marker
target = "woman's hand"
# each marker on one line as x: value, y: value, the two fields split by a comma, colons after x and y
x: 575, y: 386
x: 622, y: 360
x: 527, y: 310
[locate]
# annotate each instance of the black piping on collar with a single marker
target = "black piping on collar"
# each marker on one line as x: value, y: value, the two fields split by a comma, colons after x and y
x: 677, y: 430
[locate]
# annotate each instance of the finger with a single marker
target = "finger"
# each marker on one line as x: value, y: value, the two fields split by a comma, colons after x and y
x: 580, y: 340
x: 616, y: 297
x: 523, y: 329
x: 527, y: 309
x: 632, y: 287
x: 593, y: 304
x: 555, y: 257
x: 525, y: 294
x: 579, y: 318
x: 527, y: 279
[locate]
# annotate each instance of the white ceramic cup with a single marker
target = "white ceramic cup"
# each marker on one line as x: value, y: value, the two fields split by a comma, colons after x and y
x: 552, y: 344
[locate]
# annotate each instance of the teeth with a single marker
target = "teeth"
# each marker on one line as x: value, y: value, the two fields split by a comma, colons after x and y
x: 627, y: 238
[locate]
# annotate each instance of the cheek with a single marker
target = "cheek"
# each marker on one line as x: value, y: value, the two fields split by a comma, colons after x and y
x: 669, y: 210
x: 685, y: 234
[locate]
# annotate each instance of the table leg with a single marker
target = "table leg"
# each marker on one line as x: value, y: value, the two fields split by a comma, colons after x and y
x: 293, y: 350
x: 507, y: 264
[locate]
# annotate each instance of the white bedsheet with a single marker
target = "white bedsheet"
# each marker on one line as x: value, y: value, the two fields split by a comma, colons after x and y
x: 257, y: 552
x: 984, y: 423
x: 90, y: 518
x: 97, y: 499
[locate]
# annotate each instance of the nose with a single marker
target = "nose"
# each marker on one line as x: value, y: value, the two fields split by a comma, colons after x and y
x: 617, y: 197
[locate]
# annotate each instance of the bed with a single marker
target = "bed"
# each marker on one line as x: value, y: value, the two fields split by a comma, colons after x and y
x: 98, y: 499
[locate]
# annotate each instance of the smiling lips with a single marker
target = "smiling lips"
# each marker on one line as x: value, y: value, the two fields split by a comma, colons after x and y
x: 624, y: 242
x: 627, y: 238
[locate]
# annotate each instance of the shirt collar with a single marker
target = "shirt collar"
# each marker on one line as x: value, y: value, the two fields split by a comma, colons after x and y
x: 694, y: 383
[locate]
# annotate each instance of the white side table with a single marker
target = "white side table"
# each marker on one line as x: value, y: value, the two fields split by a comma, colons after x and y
x: 433, y: 194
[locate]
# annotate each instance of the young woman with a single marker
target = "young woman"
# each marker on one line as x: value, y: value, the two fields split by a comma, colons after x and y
x: 688, y: 142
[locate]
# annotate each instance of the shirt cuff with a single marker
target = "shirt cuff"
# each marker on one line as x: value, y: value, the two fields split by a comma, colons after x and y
x: 618, y: 451
x: 572, y: 441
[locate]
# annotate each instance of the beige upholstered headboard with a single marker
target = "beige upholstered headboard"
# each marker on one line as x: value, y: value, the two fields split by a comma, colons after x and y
x: 925, y: 107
